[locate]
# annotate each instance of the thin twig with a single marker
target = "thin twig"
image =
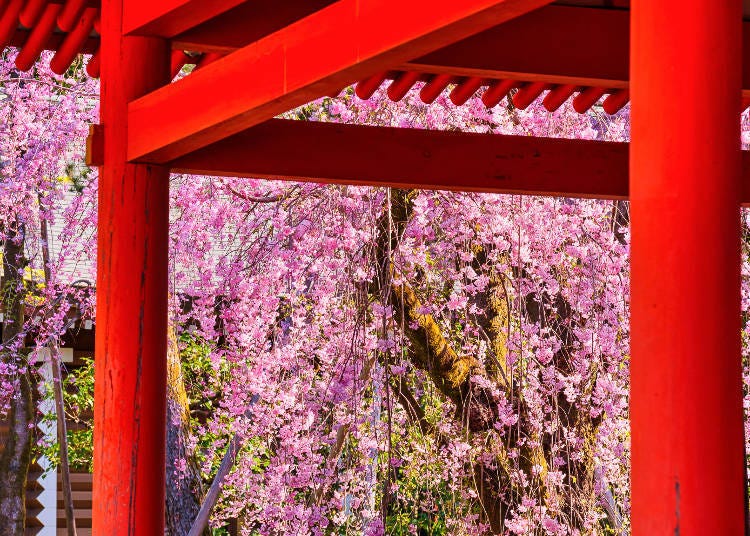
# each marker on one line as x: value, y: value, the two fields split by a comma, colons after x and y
x: 57, y: 388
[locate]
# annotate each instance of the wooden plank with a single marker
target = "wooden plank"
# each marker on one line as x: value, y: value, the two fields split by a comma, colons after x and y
x: 78, y: 496
x: 167, y: 18
x: 323, y: 52
x: 552, y: 43
x: 412, y: 158
x: 555, y: 44
x: 95, y: 146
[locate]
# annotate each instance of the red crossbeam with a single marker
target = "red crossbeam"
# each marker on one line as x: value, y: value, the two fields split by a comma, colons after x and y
x: 415, y: 158
x: 167, y: 18
x: 321, y: 53
x: 426, y: 159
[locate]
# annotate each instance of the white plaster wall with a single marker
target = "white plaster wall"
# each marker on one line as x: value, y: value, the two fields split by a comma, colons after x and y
x: 48, y: 497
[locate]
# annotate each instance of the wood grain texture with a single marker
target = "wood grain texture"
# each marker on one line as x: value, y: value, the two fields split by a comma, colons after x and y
x: 413, y: 158
x: 426, y: 159
x: 131, y: 334
x: 688, y: 471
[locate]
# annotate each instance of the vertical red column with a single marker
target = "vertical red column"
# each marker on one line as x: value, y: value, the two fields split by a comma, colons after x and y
x: 131, y: 340
x: 686, y: 384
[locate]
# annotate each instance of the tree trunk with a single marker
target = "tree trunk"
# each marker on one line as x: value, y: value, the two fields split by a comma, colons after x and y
x: 432, y: 352
x: 16, y: 456
x: 184, y: 483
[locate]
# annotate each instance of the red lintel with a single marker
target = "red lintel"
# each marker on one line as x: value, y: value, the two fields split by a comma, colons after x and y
x: 321, y: 53
x: 416, y: 158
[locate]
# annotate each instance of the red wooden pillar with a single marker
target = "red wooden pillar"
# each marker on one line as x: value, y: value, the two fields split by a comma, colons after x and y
x: 130, y: 396
x: 686, y: 385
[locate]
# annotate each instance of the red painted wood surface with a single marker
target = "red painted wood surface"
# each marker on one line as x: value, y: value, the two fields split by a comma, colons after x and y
x: 553, y: 41
x: 551, y: 44
x: 38, y: 37
x: 245, y: 24
x: 554, y: 44
x: 688, y: 469
x: 70, y: 15
x: 414, y: 158
x: 336, y: 46
x: 74, y: 41
x: 31, y: 12
x: 167, y: 18
x: 130, y: 409
x: 400, y: 157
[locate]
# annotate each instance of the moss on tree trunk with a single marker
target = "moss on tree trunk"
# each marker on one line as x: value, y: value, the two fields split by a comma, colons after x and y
x: 431, y: 351
x: 184, y: 484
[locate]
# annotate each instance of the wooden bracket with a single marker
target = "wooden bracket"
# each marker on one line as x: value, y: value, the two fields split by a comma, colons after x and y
x: 95, y: 146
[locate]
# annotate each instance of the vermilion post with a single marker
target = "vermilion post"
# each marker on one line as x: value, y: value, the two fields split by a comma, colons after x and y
x: 130, y: 408
x: 686, y: 384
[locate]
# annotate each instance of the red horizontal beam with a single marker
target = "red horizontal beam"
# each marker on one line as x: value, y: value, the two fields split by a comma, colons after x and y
x: 321, y: 53
x: 413, y: 158
x: 425, y: 159
x: 552, y: 43
x: 167, y: 18
x: 555, y: 44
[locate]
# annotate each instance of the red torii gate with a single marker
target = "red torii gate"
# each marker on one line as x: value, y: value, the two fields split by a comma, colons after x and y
x: 679, y: 61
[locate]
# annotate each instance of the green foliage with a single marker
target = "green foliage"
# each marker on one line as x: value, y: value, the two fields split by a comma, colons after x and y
x: 424, y: 498
x: 78, y: 388
x: 426, y: 524
x: 203, y: 377
x: 79, y: 406
x: 201, y: 374
x: 78, y: 175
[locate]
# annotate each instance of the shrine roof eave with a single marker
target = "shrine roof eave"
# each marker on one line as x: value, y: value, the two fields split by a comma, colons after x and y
x: 558, y: 58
